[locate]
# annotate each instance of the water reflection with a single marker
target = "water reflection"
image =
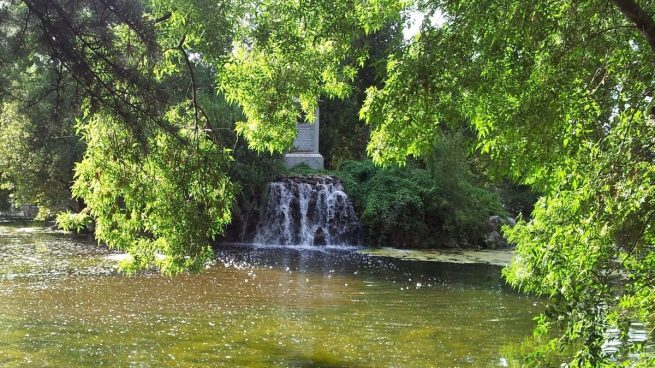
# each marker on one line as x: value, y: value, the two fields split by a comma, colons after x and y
x: 63, y: 304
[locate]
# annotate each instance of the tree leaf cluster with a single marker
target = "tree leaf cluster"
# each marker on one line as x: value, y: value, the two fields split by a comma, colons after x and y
x: 559, y: 95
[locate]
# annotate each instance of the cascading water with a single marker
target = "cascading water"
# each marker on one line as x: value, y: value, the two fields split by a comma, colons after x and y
x: 307, y: 211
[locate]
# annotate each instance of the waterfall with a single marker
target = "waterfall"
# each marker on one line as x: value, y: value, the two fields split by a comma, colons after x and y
x: 312, y: 210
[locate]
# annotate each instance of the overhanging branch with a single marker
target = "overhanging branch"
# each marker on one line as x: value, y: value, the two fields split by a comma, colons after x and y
x: 639, y: 18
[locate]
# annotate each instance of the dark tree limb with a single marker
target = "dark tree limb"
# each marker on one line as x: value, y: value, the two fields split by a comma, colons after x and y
x: 198, y: 110
x: 645, y: 23
x: 639, y: 18
x: 68, y: 40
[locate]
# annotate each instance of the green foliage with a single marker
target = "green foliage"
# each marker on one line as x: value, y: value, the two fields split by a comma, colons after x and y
x: 304, y: 170
x: 154, y: 175
x: 343, y: 135
x: 601, y: 238
x: 288, y: 54
x: 75, y: 222
x: 519, y: 200
x: 392, y: 202
x: 38, y: 146
x: 250, y: 172
x: 460, y: 193
x: 558, y: 93
x: 422, y: 205
x: 163, y: 206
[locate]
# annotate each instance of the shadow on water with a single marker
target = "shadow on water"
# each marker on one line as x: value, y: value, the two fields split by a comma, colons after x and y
x: 346, y: 261
x: 319, y: 363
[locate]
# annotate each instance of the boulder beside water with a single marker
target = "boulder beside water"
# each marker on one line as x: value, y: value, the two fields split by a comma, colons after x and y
x: 493, y: 239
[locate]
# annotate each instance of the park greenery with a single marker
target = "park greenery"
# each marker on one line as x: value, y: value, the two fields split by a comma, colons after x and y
x: 144, y: 113
x: 423, y: 204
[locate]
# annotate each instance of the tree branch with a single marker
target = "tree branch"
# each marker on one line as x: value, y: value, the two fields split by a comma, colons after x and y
x: 194, y: 88
x: 639, y: 18
x: 62, y: 32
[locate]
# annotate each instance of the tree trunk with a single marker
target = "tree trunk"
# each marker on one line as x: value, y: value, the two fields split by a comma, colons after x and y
x: 639, y: 18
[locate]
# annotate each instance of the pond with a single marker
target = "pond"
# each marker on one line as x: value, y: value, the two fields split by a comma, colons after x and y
x: 64, y: 304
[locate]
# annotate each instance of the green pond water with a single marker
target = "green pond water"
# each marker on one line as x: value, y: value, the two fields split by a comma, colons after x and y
x: 62, y: 304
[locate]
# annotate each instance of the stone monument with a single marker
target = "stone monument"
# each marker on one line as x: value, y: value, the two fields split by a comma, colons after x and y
x: 305, y: 147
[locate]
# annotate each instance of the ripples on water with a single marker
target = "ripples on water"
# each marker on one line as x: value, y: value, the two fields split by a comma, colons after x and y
x: 63, y: 304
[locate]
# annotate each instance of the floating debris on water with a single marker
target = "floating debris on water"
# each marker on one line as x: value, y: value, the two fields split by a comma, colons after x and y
x: 490, y: 257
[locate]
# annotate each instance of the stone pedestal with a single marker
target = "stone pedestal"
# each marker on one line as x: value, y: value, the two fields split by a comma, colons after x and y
x: 313, y: 160
x: 305, y: 147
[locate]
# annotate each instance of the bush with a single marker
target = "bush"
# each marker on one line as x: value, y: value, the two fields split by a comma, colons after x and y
x: 75, y: 222
x: 423, y: 204
x: 392, y: 202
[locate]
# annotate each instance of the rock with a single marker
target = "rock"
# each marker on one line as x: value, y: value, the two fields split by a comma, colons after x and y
x: 493, y: 239
x: 494, y: 222
x: 510, y: 221
x: 319, y: 236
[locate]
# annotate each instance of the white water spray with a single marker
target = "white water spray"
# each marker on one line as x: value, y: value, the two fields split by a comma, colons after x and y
x: 307, y: 211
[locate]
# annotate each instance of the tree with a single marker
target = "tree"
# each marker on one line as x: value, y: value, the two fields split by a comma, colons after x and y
x: 343, y: 135
x: 38, y: 102
x: 560, y: 94
x: 153, y: 174
x: 289, y: 54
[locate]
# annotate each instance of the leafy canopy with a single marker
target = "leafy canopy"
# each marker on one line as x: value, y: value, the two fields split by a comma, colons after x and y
x: 559, y: 93
x: 154, y: 172
x: 287, y: 54
x: 38, y: 146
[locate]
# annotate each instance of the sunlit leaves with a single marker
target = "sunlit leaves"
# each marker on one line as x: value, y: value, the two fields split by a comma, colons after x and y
x: 559, y: 94
x: 161, y: 204
x: 289, y: 54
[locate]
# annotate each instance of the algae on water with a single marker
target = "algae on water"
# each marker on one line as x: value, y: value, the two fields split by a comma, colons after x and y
x: 492, y: 257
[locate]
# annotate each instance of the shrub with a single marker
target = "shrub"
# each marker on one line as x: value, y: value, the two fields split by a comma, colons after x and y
x: 423, y: 204
x: 75, y: 222
x: 392, y: 202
